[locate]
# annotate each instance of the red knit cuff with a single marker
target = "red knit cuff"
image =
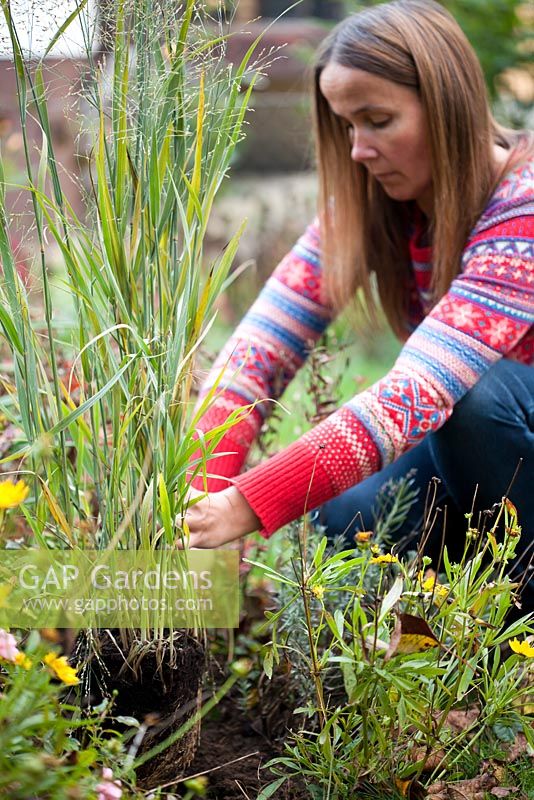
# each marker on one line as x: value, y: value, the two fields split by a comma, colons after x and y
x: 285, y: 486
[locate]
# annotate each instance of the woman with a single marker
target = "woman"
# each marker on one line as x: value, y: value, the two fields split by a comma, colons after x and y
x: 426, y: 198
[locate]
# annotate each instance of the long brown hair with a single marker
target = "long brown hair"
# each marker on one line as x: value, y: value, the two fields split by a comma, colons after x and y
x: 418, y: 44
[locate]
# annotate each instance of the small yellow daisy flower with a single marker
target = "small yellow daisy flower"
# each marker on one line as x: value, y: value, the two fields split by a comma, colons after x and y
x: 23, y: 661
x: 524, y: 648
x: 12, y: 494
x: 62, y: 669
x: 441, y: 591
x: 387, y: 558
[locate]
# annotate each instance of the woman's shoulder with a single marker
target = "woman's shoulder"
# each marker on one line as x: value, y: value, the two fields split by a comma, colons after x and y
x: 518, y: 182
x: 513, y: 196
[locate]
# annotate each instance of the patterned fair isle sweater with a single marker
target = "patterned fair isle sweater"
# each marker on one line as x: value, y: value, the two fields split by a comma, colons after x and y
x: 487, y: 313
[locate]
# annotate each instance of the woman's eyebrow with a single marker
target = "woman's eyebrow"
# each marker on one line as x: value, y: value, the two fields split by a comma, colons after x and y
x: 365, y: 109
x: 370, y: 107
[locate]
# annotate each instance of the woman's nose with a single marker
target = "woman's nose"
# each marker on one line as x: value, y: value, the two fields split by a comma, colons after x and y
x: 361, y: 149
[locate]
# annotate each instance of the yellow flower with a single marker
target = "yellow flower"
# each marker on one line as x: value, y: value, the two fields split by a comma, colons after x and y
x: 362, y: 537
x: 388, y: 558
x: 23, y: 661
x: 440, y: 595
x: 375, y: 549
x: 524, y: 648
x: 64, y: 672
x: 431, y: 584
x: 318, y: 591
x: 12, y: 494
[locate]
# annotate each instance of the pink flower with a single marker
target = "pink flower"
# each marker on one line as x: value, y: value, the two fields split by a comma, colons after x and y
x: 8, y: 646
x: 108, y: 789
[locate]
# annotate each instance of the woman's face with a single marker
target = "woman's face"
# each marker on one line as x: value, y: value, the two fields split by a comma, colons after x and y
x: 386, y: 128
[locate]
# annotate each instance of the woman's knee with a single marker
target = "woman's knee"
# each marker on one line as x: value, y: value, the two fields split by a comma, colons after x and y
x: 502, y: 399
x: 489, y: 435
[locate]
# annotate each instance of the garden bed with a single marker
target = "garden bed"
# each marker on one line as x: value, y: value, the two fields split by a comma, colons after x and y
x: 233, y: 752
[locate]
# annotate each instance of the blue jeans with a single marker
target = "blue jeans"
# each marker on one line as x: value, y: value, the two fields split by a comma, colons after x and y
x: 489, y: 434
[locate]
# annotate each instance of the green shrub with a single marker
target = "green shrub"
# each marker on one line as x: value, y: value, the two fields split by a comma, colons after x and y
x: 387, y: 650
x: 47, y: 748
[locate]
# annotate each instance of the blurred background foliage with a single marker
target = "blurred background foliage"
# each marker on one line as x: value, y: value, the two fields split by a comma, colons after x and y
x: 499, y: 30
x: 501, y: 33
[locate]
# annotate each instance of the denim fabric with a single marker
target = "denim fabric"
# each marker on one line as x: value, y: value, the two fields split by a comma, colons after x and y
x: 490, y: 434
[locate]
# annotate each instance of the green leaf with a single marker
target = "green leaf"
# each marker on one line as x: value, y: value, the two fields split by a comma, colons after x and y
x: 349, y: 678
x: 465, y: 681
x: 319, y: 553
x: 507, y: 732
x: 268, y: 662
x: 87, y: 757
x: 340, y: 621
x: 78, y: 412
x: 271, y: 789
x: 165, y: 507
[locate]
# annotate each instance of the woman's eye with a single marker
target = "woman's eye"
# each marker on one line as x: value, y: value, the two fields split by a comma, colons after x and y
x: 379, y: 123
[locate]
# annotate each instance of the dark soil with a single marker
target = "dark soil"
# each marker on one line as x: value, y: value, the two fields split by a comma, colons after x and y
x: 248, y: 727
x: 231, y: 733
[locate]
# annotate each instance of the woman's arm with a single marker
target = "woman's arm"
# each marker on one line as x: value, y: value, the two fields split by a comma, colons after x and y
x: 261, y: 357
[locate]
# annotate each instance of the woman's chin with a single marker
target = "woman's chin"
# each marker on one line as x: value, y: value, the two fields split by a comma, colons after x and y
x: 399, y: 193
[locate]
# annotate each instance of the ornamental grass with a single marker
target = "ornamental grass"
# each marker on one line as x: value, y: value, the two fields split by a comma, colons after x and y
x: 104, y: 445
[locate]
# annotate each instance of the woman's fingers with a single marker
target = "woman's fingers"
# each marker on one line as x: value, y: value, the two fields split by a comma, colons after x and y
x: 216, y: 519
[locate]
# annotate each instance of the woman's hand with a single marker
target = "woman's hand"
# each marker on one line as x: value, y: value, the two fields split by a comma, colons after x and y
x: 219, y: 518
